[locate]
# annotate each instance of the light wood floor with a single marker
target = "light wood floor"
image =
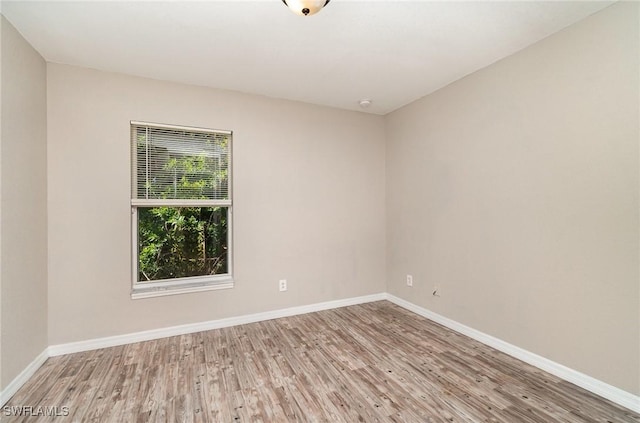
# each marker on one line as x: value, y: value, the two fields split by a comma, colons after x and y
x: 368, y: 363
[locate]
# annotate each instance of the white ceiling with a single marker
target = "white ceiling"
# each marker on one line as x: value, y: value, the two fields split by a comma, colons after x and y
x: 392, y: 52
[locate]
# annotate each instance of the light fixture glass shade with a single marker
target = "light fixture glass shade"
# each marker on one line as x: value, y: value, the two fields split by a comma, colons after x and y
x: 305, y: 7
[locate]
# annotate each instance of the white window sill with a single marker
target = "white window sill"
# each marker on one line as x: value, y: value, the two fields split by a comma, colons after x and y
x: 140, y: 291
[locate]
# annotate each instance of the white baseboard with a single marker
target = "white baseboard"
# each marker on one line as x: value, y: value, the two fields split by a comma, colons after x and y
x: 617, y: 395
x: 148, y: 335
x: 12, y: 388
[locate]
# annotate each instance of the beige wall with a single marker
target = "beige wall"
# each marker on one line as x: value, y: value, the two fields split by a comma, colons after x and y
x: 24, y: 205
x: 308, y: 196
x: 515, y: 192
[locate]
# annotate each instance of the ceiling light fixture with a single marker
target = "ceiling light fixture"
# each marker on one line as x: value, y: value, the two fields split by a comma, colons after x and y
x: 305, y: 7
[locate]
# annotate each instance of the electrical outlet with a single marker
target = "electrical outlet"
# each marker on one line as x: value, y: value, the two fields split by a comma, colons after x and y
x: 409, y: 280
x: 283, y: 285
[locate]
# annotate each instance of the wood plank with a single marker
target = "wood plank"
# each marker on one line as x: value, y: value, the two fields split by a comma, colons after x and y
x: 373, y: 362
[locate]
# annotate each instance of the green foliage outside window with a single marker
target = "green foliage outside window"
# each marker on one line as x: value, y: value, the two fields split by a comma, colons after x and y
x: 179, y: 241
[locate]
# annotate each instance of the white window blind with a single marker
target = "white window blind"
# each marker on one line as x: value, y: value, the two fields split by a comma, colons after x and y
x: 179, y: 163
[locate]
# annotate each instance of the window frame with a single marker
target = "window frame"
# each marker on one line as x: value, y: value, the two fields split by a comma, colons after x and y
x: 182, y: 285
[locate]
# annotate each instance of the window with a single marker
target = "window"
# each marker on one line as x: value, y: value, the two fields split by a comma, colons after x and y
x: 180, y: 209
